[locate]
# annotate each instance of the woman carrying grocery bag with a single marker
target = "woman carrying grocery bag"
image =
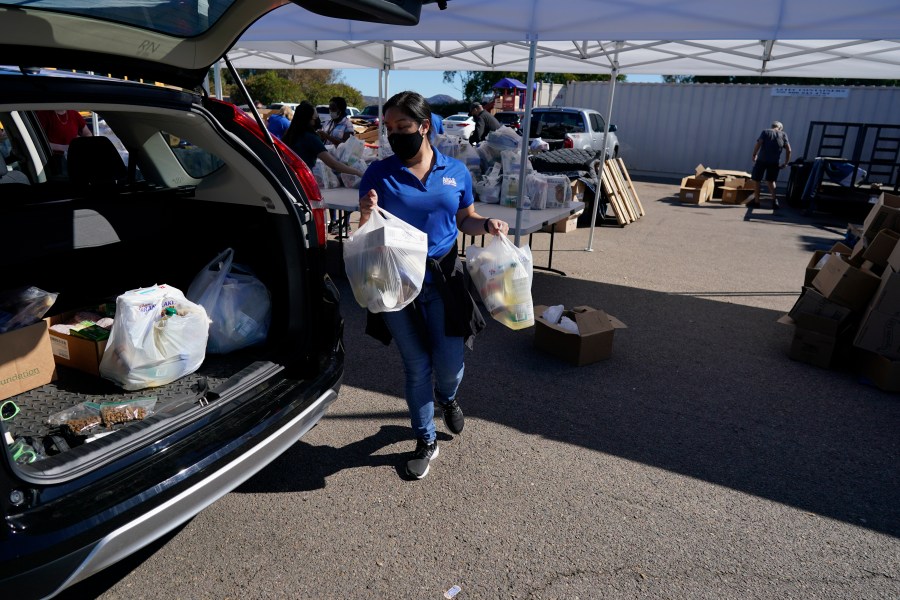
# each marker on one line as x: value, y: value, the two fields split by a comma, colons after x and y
x: 433, y: 193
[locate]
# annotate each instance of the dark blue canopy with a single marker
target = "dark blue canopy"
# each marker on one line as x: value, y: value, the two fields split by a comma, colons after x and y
x: 509, y: 83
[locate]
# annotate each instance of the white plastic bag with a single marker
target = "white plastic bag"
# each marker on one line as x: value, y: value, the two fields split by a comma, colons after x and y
x: 238, y: 304
x: 353, y: 147
x: 158, y: 336
x: 502, y: 274
x: 325, y: 177
x: 487, y: 192
x: 352, y: 181
x: 385, y: 262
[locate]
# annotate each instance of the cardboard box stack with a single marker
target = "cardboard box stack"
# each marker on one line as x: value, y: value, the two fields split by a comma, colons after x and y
x: 849, y: 311
x: 733, y: 187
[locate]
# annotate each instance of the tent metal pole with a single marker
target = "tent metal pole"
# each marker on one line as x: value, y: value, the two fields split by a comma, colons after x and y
x: 526, y: 127
x: 380, y: 110
x: 613, y: 75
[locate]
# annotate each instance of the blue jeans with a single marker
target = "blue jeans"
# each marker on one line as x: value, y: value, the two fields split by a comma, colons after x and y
x: 433, y: 367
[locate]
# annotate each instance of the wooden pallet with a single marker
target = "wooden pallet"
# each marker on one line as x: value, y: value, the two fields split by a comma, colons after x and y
x: 620, y: 193
x: 613, y: 196
x: 631, y: 189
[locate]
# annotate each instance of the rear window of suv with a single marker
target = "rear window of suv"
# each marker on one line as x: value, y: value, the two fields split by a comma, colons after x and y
x: 552, y: 124
x: 175, y: 17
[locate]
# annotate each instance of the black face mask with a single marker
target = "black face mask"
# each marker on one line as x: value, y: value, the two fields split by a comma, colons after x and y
x: 405, y: 145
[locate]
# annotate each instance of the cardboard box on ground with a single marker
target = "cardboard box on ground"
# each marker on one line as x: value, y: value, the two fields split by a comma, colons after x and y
x: 737, y: 190
x: 725, y: 184
x: 695, y: 190
x: 26, y: 360
x: 592, y: 343
x: 850, y: 316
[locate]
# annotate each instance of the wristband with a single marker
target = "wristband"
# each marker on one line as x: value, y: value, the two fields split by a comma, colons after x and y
x: 486, y: 228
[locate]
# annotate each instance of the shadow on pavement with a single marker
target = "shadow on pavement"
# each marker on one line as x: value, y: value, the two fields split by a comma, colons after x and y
x: 698, y: 387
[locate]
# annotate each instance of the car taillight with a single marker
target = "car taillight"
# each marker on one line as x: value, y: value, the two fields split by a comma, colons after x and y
x: 294, y: 163
x: 568, y: 142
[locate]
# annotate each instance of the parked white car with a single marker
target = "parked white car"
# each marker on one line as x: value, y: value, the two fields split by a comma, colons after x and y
x: 461, y: 125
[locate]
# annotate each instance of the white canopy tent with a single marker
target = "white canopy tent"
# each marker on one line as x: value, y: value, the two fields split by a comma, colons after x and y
x: 798, y: 38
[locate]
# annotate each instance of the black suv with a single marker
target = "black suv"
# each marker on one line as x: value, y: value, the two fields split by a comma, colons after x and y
x: 169, y: 178
x: 512, y: 119
x: 370, y: 114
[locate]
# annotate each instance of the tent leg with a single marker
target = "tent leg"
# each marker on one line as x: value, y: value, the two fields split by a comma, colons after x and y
x: 526, y: 127
x: 613, y: 75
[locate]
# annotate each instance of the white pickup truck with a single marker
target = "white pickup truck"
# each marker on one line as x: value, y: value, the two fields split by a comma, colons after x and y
x: 567, y: 127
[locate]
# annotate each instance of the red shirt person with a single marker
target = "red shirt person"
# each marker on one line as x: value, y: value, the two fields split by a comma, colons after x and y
x: 61, y: 127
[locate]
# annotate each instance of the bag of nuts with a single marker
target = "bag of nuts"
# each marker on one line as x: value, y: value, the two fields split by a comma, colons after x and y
x: 80, y: 419
x: 118, y: 413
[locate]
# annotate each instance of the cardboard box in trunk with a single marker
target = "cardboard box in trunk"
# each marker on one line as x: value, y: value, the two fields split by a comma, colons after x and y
x: 73, y: 351
x: 592, y: 343
x: 696, y: 190
x: 26, y: 360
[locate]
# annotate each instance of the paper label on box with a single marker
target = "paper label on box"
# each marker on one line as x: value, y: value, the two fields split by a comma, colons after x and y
x: 60, y: 347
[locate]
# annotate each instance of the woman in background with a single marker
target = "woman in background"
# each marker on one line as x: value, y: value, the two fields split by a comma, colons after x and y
x: 338, y: 131
x: 301, y: 137
x: 280, y: 121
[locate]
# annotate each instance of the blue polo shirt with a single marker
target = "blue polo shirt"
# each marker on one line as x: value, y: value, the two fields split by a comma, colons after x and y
x: 430, y: 207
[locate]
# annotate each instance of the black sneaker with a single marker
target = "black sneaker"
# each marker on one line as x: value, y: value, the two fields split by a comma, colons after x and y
x: 753, y: 204
x: 419, y: 464
x: 453, y: 417
x: 775, y: 205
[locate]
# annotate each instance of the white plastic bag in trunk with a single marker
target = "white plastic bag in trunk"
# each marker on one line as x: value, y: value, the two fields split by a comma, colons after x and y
x: 157, y: 336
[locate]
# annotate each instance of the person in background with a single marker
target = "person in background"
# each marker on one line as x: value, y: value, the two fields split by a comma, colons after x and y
x: 485, y: 123
x: 61, y: 127
x: 767, y: 161
x: 433, y: 193
x: 339, y: 128
x: 280, y: 121
x: 301, y: 137
x: 338, y: 131
x: 437, y: 125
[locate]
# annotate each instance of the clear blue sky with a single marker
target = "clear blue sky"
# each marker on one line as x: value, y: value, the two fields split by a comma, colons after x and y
x: 427, y: 83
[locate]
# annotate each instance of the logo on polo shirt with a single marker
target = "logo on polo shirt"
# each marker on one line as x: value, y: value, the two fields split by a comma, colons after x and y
x: 450, y: 181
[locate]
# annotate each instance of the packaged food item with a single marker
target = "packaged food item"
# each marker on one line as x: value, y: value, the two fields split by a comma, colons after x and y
x: 117, y: 413
x: 81, y: 419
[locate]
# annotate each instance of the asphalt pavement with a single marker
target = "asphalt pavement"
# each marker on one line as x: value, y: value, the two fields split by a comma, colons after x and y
x: 699, y: 461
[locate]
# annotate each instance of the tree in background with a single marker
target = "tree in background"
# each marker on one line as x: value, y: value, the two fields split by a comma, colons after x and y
x: 476, y: 84
x: 316, y: 86
x: 776, y: 80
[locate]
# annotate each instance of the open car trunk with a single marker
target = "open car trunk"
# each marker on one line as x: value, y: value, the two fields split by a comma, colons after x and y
x: 89, y: 239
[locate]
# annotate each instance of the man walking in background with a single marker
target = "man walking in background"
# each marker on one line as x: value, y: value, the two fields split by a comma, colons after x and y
x: 767, y: 161
x: 485, y: 123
